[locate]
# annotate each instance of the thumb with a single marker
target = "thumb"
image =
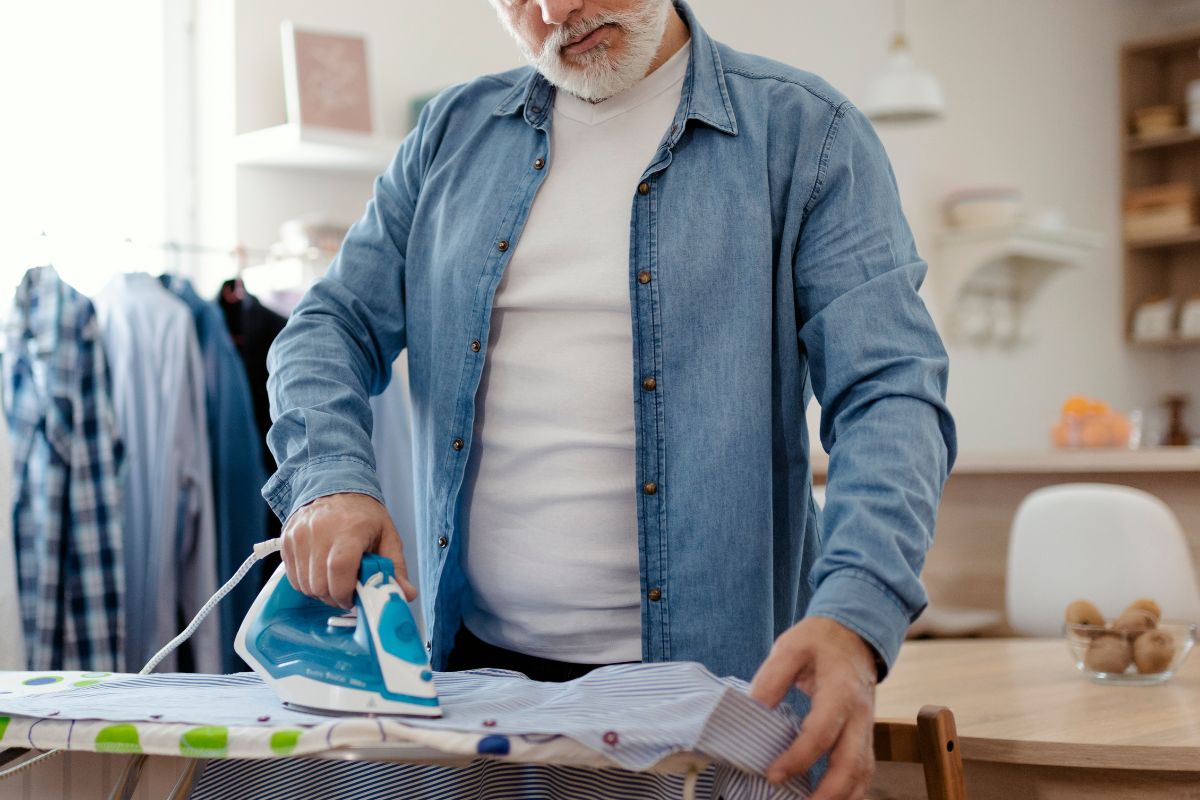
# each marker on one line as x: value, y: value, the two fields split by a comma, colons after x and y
x: 390, y: 547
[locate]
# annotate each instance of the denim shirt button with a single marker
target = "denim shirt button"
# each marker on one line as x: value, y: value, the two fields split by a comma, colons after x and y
x: 503, y: 245
x: 643, y: 188
x: 457, y: 444
x: 649, y: 384
x: 539, y: 163
x: 643, y: 277
x: 443, y: 541
x: 654, y: 594
x: 475, y: 346
x: 650, y: 487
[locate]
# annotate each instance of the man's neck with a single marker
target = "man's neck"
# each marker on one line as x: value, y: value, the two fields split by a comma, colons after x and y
x: 674, y: 37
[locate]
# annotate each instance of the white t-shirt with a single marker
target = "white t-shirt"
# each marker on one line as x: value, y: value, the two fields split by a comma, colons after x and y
x: 549, y: 511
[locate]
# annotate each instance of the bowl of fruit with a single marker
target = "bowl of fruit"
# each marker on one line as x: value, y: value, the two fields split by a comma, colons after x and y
x: 1137, y: 647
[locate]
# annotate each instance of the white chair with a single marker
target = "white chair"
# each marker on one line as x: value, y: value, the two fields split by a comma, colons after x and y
x: 1104, y: 543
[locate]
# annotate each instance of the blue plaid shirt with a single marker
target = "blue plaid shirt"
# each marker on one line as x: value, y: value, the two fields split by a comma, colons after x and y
x: 66, y: 493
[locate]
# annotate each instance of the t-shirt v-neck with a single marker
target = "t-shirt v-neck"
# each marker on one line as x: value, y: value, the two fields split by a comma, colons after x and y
x: 669, y: 75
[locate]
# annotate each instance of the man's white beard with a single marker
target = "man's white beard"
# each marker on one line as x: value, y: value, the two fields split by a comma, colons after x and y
x: 596, y: 75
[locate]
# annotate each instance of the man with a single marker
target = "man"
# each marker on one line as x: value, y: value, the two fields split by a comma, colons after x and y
x: 616, y: 275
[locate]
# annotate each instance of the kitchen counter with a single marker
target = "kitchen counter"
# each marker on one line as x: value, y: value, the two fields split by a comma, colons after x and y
x: 966, y: 566
x: 1098, y: 460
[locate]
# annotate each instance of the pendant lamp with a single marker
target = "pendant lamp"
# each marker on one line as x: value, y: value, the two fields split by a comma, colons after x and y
x: 903, y: 92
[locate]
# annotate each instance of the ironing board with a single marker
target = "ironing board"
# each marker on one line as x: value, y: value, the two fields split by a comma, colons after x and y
x: 654, y: 729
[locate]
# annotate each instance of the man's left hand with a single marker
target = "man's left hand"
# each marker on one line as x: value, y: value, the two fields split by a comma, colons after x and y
x: 836, y: 669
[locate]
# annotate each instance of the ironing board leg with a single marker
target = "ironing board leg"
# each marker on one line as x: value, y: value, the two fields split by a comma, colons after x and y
x: 187, y: 780
x: 128, y: 781
x: 11, y: 754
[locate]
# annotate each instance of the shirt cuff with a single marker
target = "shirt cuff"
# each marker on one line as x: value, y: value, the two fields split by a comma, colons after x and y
x: 855, y: 598
x: 320, y: 477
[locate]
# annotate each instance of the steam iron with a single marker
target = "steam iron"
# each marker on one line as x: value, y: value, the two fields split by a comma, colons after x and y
x: 319, y: 657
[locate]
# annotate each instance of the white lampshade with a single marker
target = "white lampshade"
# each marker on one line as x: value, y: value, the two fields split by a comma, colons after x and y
x: 904, y: 92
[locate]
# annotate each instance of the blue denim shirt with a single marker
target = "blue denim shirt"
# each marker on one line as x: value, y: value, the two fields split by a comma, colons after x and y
x: 768, y: 250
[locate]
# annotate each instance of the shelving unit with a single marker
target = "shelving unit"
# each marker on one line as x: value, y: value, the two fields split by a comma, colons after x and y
x: 1011, y: 262
x: 1016, y: 259
x: 1169, y: 140
x: 291, y: 146
x: 1177, y: 240
x: 1157, y: 72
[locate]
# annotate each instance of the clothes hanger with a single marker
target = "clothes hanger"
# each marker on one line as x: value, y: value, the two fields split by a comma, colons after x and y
x: 233, y: 291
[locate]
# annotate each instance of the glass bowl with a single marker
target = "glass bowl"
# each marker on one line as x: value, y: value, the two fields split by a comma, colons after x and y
x: 1082, y: 638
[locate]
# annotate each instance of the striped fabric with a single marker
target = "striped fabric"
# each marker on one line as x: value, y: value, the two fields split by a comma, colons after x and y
x: 297, y: 779
x: 644, y: 718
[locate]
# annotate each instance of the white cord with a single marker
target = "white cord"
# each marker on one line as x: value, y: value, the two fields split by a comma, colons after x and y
x: 261, y: 551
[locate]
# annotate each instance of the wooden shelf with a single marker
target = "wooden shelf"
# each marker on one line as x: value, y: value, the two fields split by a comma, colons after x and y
x: 1190, y: 237
x: 1179, y: 138
x: 293, y: 147
x: 1163, y: 45
x: 1082, y: 461
x: 1169, y: 343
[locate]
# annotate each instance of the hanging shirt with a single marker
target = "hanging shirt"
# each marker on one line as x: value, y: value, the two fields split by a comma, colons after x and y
x: 158, y: 391
x: 549, y: 515
x: 254, y: 327
x: 235, y: 451
x: 12, y: 633
x: 65, y: 491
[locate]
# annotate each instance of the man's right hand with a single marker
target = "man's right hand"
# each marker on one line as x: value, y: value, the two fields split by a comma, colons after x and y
x: 324, y: 542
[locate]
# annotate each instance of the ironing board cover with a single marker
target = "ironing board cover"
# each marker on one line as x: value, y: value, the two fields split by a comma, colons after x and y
x: 645, y: 718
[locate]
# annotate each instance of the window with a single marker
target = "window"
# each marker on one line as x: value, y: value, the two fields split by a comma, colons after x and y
x: 83, y: 146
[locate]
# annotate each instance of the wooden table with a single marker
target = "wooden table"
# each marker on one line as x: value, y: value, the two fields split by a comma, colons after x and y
x: 1031, y: 725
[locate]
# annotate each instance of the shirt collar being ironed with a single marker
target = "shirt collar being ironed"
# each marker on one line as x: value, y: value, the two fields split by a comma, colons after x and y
x: 704, y: 98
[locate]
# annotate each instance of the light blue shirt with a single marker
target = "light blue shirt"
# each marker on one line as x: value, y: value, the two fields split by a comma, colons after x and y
x: 235, y: 453
x: 769, y: 254
x: 166, y: 488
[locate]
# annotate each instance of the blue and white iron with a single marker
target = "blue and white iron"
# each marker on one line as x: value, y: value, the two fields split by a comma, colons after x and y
x: 319, y: 657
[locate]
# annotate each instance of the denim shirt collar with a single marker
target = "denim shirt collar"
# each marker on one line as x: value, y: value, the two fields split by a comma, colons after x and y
x: 704, y: 98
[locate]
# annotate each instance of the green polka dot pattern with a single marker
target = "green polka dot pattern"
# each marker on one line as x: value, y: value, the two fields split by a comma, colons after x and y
x: 118, y: 739
x: 207, y: 742
x: 284, y: 742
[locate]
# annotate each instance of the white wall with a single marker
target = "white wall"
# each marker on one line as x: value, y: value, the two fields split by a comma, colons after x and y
x: 1032, y: 93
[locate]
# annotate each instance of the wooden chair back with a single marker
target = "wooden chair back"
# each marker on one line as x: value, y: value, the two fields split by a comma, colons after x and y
x: 933, y: 743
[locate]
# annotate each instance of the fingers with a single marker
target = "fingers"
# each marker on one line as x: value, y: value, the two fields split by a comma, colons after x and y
x: 341, y: 570
x: 819, y: 731
x: 295, y: 552
x: 390, y: 547
x: 324, y: 541
x: 851, y: 762
x: 786, y: 665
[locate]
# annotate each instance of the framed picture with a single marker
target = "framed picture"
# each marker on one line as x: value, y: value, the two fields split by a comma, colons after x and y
x: 326, y: 80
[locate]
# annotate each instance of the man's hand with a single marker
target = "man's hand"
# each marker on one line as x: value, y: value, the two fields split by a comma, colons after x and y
x: 324, y: 542
x: 836, y: 669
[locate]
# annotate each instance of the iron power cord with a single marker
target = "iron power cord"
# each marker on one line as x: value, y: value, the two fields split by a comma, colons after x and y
x: 261, y: 551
